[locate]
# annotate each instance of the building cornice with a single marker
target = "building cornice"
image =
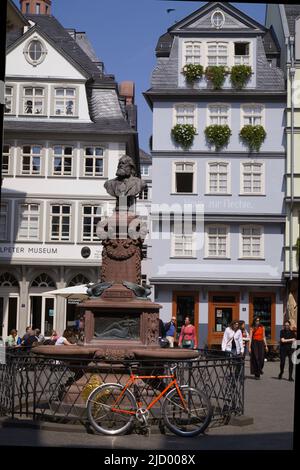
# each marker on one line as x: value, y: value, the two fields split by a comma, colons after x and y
x: 207, y: 154
x: 215, y: 281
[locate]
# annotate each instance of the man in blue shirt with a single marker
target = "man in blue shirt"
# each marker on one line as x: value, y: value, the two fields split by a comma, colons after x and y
x: 170, y: 331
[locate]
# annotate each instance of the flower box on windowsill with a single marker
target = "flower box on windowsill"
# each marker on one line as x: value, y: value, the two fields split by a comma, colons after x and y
x: 192, y: 72
x: 218, y: 135
x: 253, y: 136
x: 183, y: 134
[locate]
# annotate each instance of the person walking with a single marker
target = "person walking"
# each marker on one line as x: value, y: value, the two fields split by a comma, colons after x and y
x: 287, y: 337
x: 233, y: 339
x: 257, y: 348
x: 170, y: 328
x: 245, y: 334
x: 187, y: 337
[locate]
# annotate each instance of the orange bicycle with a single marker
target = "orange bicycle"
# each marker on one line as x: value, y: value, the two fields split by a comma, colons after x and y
x: 112, y: 407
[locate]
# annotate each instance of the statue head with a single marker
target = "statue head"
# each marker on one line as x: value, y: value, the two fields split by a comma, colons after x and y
x: 126, y: 167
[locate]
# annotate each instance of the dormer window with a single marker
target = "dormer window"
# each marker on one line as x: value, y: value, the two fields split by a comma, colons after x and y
x: 65, y: 101
x: 217, y: 53
x: 192, y: 52
x: 241, y: 53
x: 217, y: 19
x: 33, y: 100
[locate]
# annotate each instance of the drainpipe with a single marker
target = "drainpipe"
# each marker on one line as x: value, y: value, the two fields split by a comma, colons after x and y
x: 291, y: 72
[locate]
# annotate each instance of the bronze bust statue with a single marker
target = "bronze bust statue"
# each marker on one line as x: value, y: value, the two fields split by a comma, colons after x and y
x: 126, y: 183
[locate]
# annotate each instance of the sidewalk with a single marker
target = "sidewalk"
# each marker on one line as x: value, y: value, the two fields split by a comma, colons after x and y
x: 269, y: 401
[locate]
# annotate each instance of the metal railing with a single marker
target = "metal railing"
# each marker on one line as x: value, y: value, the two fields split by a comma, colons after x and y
x: 51, y: 388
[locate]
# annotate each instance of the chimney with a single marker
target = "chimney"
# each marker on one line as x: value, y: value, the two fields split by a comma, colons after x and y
x: 126, y: 90
x: 35, y: 7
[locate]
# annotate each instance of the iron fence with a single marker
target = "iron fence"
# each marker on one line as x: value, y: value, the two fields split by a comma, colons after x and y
x: 47, y: 388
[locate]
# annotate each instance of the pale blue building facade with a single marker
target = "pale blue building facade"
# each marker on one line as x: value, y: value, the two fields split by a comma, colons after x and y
x: 227, y: 261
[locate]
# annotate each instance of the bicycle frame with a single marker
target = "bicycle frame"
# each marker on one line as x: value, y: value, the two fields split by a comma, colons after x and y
x: 133, y: 378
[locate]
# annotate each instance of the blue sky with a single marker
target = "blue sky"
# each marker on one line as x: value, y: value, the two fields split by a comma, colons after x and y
x: 124, y: 34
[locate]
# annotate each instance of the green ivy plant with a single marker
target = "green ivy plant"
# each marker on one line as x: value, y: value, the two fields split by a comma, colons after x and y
x: 183, y: 134
x: 192, y: 72
x: 216, y: 74
x: 253, y: 136
x: 218, y: 135
x: 239, y: 75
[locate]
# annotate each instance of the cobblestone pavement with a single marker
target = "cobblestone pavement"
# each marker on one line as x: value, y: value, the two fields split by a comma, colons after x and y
x: 268, y: 401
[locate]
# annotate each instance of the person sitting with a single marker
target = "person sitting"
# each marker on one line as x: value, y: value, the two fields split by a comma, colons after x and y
x: 41, y: 338
x: 65, y: 339
x: 13, y: 339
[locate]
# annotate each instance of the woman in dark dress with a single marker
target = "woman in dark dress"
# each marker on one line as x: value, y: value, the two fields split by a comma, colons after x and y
x: 257, y: 348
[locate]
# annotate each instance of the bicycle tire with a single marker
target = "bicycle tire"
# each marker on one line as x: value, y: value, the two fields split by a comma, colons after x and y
x: 201, y: 416
x: 98, y: 401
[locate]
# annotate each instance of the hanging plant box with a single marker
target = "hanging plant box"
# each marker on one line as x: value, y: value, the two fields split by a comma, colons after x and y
x: 253, y: 136
x: 183, y: 134
x: 218, y: 135
x: 216, y: 75
x: 239, y: 75
x: 192, y: 72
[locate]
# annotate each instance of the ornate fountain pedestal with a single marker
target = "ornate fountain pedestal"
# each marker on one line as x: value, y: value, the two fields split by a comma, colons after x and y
x: 118, y: 316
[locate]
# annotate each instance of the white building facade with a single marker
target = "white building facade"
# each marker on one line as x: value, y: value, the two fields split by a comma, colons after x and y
x: 66, y: 126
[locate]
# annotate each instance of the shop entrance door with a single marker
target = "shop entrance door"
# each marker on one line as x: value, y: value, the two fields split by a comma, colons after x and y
x: 42, y: 314
x: 8, y: 315
x: 223, y: 308
x: 185, y: 304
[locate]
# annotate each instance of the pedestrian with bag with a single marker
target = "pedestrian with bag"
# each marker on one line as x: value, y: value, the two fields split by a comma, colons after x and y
x: 187, y: 338
x: 257, y: 348
x: 232, y: 341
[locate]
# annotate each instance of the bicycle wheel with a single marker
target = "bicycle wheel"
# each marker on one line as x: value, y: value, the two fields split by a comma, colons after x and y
x: 190, y: 420
x: 100, y: 414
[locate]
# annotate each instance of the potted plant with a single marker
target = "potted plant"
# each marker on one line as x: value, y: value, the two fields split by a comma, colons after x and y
x: 192, y: 72
x: 239, y: 75
x: 253, y: 136
x: 216, y: 74
x: 183, y: 134
x: 218, y: 135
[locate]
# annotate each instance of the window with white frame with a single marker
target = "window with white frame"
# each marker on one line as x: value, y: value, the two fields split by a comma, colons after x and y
x: 217, y: 19
x: 35, y: 51
x: 253, y: 176
x: 184, y: 176
x: 218, y: 178
x: 145, y: 170
x: 192, y: 53
x: 252, y: 114
x: 218, y: 114
x: 33, y: 100
x: 91, y: 215
x: 217, y: 245
x: 3, y: 221
x: 29, y: 222
x: 9, y: 96
x: 60, y: 222
x: 64, y: 101
x: 62, y: 160
x: 241, y: 53
x: 217, y: 53
x: 5, y: 159
x: 93, y: 161
x: 251, y: 241
x: 144, y: 194
x: 185, y: 114
x: 183, y: 245
x: 31, y: 160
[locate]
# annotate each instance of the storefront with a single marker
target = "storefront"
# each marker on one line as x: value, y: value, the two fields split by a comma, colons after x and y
x: 211, y: 310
